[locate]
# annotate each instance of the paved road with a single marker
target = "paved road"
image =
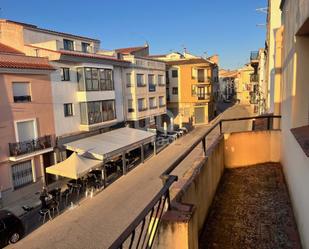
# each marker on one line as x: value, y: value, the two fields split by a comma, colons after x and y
x: 97, y: 222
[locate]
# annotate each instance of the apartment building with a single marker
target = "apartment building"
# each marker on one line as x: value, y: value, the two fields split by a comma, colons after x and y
x: 228, y: 81
x: 145, y: 88
x: 190, y: 86
x: 244, y: 86
x: 273, y: 25
x: 27, y: 130
x: 87, y: 87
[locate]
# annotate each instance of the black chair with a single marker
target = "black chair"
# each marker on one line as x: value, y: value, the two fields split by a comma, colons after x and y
x: 54, y: 206
x: 43, y: 213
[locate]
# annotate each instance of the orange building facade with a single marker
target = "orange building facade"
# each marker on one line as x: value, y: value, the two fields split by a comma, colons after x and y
x: 190, y: 90
x: 27, y: 120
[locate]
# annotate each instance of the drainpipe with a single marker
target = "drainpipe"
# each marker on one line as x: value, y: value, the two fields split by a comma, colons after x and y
x: 124, y: 101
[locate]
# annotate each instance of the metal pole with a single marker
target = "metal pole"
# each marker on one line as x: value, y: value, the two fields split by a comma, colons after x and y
x: 124, y: 163
x: 105, y: 175
x: 142, y: 154
x: 268, y: 123
x: 204, y: 145
x: 154, y: 148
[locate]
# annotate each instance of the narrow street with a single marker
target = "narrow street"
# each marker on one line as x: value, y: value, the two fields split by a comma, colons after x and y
x: 112, y: 210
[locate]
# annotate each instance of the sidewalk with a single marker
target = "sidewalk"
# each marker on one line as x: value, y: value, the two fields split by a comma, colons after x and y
x: 28, y: 195
x: 112, y: 210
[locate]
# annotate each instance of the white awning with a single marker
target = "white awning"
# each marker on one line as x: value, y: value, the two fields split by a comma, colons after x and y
x: 74, y: 167
x: 113, y: 143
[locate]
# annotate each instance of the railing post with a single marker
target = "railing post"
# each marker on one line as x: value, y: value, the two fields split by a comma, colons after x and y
x: 204, y: 145
x: 220, y: 125
x: 268, y: 123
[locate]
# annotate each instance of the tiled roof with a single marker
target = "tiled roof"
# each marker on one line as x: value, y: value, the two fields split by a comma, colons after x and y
x: 189, y: 61
x: 8, y: 50
x: 88, y: 55
x: 18, y: 61
x: 129, y: 50
x: 157, y: 55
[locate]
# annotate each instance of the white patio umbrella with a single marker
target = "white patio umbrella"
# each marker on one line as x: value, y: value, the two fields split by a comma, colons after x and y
x: 74, y: 167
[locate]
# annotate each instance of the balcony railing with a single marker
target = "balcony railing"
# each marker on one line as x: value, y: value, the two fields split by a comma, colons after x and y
x: 26, y: 147
x: 142, y: 109
x: 254, y: 78
x: 254, y: 56
x: 21, y: 99
x: 135, y: 235
x: 153, y: 107
x: 152, y: 87
x: 203, y: 97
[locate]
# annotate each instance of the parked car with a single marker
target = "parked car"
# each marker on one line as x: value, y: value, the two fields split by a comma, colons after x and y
x: 11, y: 228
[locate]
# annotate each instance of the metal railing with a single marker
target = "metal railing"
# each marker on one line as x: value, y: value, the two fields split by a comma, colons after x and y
x: 151, y: 87
x: 218, y: 124
x: 254, y: 55
x: 254, y: 78
x: 25, y: 147
x: 142, y: 231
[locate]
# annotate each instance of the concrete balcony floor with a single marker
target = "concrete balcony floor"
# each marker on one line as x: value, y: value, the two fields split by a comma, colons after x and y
x: 251, y: 209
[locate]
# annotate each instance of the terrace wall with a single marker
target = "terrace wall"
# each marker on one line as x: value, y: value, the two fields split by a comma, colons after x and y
x: 193, y: 194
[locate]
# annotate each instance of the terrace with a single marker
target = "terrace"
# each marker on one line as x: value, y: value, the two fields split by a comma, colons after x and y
x: 174, y: 216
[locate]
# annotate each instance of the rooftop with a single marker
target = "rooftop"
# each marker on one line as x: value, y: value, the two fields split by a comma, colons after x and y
x: 34, y: 27
x: 12, y: 58
x: 130, y: 50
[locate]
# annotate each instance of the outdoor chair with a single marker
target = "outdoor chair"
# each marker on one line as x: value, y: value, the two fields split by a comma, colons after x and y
x: 43, y: 213
x: 54, y: 206
x: 65, y: 194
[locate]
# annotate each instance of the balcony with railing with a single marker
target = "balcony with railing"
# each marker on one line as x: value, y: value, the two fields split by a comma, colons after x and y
x: 254, y: 78
x: 151, y: 87
x: 205, y: 97
x: 254, y: 56
x: 23, y: 148
x: 216, y: 204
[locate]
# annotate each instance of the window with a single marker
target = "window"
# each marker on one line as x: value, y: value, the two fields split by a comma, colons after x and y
x: 95, y: 79
x: 167, y: 79
x: 26, y: 130
x: 22, y: 174
x: 175, y: 90
x: 21, y: 92
x: 128, y: 79
x: 152, y: 103
x: 106, y: 80
x: 86, y: 47
x: 65, y: 74
x: 151, y: 84
x: 130, y: 106
x: 68, y: 110
x: 68, y: 45
x: 201, y: 75
x: 97, y: 112
x: 175, y: 73
x: 140, y: 80
x: 142, y: 106
x: 151, y: 79
x: 160, y: 80
x: 162, y: 101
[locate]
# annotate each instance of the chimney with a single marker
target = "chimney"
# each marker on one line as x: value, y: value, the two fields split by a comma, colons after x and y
x: 214, y: 59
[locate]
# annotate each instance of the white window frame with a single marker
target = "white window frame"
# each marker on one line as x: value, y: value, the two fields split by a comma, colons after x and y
x: 25, y: 120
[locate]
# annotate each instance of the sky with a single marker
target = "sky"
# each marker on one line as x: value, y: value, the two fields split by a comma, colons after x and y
x: 224, y: 27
